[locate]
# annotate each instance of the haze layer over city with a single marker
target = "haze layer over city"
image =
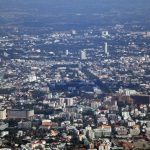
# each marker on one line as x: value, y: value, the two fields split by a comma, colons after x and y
x: 74, y: 74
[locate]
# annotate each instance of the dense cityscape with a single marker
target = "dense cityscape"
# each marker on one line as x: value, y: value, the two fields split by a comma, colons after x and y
x: 74, y: 86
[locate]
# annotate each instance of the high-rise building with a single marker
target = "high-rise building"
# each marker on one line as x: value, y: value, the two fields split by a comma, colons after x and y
x: 67, y: 52
x: 1, y: 74
x: 2, y: 114
x: 69, y: 101
x: 106, y: 49
x: 83, y: 55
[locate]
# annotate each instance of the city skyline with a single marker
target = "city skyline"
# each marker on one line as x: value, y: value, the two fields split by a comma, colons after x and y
x: 74, y: 75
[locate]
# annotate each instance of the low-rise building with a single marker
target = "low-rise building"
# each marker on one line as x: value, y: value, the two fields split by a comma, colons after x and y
x: 20, y: 114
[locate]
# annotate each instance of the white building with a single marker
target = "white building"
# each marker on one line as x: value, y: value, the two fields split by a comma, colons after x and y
x: 32, y: 77
x: 67, y: 52
x: 105, y: 34
x: 83, y: 55
x: 126, y: 114
x: 106, y: 49
x: 104, y: 147
x: 127, y: 92
x: 69, y: 101
x: 3, y: 114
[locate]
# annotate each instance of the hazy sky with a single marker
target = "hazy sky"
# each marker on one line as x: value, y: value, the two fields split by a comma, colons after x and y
x: 76, y: 5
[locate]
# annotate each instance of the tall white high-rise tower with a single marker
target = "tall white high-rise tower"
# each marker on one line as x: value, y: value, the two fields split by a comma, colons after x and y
x: 106, y: 49
x: 67, y: 52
